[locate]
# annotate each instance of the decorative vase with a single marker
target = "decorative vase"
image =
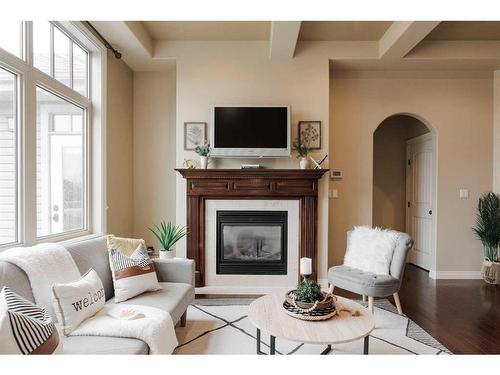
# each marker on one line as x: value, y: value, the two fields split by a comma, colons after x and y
x: 203, y: 162
x: 491, y: 272
x: 304, y: 163
x: 167, y: 254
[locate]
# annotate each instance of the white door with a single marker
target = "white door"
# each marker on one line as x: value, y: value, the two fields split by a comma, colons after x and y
x: 66, y: 186
x: 420, y: 194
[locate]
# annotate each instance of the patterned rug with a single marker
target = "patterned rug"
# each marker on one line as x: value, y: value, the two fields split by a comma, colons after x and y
x: 221, y: 326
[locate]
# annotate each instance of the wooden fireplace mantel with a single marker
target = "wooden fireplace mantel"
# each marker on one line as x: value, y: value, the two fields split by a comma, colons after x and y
x: 203, y: 184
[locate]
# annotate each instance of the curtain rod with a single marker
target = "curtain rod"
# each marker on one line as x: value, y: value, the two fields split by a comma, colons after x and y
x: 108, y: 45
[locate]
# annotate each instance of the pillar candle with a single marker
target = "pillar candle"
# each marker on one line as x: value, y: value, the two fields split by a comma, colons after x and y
x: 305, y: 266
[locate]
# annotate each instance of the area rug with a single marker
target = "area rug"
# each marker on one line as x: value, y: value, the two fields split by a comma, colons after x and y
x: 221, y: 326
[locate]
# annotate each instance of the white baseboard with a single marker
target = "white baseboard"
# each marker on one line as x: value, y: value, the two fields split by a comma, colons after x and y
x: 455, y: 275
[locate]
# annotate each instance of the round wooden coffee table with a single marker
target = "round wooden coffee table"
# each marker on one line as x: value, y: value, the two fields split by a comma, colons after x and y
x: 266, y: 313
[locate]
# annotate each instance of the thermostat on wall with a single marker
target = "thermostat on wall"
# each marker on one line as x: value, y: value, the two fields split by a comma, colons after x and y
x: 336, y: 174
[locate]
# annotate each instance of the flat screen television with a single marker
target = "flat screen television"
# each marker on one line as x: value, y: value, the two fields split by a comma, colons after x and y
x: 250, y: 131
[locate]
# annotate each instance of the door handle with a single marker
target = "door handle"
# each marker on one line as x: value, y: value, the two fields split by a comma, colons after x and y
x: 430, y: 212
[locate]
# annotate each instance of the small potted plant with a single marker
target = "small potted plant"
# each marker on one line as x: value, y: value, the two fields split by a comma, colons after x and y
x: 204, y: 152
x: 168, y: 234
x: 302, y: 151
x: 309, y: 297
x: 487, y: 229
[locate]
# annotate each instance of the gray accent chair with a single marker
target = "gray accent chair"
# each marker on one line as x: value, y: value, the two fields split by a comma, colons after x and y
x: 176, y: 277
x: 370, y: 284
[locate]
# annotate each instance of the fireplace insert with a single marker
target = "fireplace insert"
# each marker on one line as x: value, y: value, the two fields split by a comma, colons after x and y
x: 252, y: 242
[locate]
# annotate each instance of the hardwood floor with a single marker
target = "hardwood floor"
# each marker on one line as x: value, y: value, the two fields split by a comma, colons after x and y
x: 463, y: 315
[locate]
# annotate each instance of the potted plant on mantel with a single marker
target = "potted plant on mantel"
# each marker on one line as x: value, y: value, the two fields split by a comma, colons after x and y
x: 302, y: 151
x: 487, y: 229
x: 204, y: 152
x: 168, y: 234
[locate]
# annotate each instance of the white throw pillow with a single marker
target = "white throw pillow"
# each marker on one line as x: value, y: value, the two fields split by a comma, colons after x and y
x: 74, y: 302
x: 371, y: 249
x: 132, y: 275
x: 25, y: 328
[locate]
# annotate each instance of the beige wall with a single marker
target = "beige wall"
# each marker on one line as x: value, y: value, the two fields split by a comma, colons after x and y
x: 119, y: 149
x: 242, y: 73
x: 460, y: 112
x: 154, y: 151
x: 389, y: 170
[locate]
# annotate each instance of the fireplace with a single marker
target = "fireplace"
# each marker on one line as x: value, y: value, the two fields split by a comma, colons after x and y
x: 251, y: 242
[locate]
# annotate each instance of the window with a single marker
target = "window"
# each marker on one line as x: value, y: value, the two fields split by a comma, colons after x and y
x: 60, y: 165
x: 11, y: 37
x: 68, y: 61
x: 8, y: 157
x: 51, y: 185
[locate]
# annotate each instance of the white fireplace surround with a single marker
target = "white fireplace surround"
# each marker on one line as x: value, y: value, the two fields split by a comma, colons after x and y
x: 250, y: 283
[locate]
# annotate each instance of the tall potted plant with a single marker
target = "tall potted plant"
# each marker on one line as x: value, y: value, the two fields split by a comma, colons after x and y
x: 302, y: 151
x: 168, y: 234
x: 487, y: 229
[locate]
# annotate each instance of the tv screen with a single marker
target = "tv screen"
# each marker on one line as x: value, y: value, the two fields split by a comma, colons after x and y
x: 251, y: 131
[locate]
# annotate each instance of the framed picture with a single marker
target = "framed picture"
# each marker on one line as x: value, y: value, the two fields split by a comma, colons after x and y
x: 310, y: 134
x: 194, y: 134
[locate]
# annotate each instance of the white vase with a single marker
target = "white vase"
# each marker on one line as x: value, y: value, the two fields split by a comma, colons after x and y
x: 167, y: 254
x: 304, y: 163
x: 203, y: 162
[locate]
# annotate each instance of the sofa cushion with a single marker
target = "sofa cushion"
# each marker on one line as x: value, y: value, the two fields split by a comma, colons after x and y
x: 132, y: 275
x: 366, y: 283
x: 25, y: 328
x: 74, y: 302
x: 103, y: 345
x: 93, y: 253
x: 173, y: 297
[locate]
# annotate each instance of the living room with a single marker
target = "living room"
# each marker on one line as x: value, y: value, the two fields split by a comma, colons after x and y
x: 287, y: 182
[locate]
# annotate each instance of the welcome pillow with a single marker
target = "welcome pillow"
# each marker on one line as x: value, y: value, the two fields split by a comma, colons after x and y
x: 74, y: 302
x: 371, y: 249
x: 132, y: 275
x: 25, y: 328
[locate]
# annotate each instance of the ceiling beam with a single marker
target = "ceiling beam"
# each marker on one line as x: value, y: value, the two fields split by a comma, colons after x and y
x: 402, y: 36
x: 134, y: 42
x: 283, y: 39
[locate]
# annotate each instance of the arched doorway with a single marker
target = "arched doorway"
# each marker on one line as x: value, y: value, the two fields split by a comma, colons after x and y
x: 404, y: 183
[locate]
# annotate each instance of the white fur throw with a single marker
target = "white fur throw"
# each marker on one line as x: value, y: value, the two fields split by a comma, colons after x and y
x: 149, y: 324
x: 371, y: 249
x: 45, y: 265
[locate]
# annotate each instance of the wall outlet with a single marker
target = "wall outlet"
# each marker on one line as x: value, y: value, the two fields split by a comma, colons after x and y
x: 464, y: 193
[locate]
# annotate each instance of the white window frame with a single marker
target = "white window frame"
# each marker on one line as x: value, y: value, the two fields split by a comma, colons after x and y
x: 29, y: 78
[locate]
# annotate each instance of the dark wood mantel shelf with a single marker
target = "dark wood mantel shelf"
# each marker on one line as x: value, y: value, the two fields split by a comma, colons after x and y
x: 203, y: 184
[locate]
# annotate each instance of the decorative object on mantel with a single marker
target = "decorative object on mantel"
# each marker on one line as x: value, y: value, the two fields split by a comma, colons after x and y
x: 204, y: 152
x: 317, y: 163
x: 189, y: 163
x: 302, y: 151
x: 487, y: 229
x: 194, y: 135
x: 308, y: 302
x: 310, y: 134
x: 168, y: 234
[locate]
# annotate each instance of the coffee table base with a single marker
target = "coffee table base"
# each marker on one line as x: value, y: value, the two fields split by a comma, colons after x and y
x: 328, y: 349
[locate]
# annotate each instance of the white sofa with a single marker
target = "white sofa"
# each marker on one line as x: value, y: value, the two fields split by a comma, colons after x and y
x: 176, y: 277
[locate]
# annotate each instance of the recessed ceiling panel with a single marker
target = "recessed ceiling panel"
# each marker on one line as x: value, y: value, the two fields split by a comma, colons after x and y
x: 466, y: 30
x: 209, y: 30
x: 343, y: 30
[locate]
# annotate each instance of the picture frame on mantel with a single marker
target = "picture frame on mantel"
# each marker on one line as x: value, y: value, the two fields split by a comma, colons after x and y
x: 195, y: 133
x: 310, y: 134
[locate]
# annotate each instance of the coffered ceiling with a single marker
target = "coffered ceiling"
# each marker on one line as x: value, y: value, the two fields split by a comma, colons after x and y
x: 349, y: 45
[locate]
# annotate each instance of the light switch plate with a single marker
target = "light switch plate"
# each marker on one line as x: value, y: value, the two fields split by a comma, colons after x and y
x: 333, y: 193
